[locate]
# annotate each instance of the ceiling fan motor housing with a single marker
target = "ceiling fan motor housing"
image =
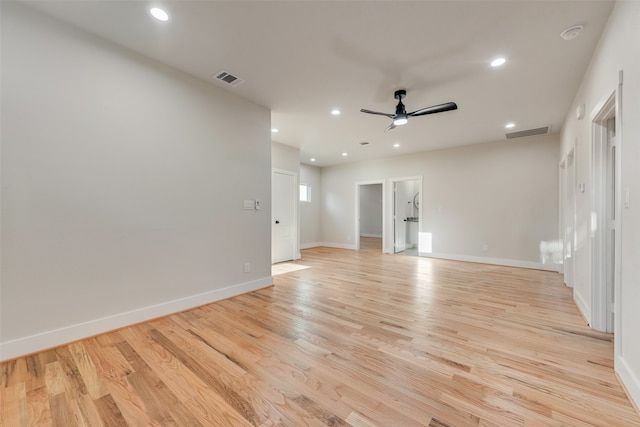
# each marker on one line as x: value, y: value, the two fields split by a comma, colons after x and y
x: 399, y: 94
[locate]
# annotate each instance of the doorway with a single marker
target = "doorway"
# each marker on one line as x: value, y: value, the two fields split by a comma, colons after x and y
x: 370, y: 225
x: 605, y: 216
x: 568, y: 216
x: 284, y: 216
x: 407, y: 197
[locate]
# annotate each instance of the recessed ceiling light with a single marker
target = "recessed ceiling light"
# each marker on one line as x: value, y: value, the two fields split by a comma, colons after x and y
x: 572, y: 32
x: 313, y: 159
x: 510, y: 125
x: 396, y: 145
x: 274, y: 130
x: 335, y: 112
x: 345, y: 154
x: 159, y: 14
x: 498, y: 62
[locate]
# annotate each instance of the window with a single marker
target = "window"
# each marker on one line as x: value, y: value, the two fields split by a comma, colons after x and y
x: 305, y: 193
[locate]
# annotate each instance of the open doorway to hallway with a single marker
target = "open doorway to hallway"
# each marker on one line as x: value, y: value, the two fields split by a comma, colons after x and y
x: 370, y: 215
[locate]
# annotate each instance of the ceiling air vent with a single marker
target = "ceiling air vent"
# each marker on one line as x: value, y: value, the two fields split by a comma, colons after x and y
x: 228, y: 78
x: 528, y: 132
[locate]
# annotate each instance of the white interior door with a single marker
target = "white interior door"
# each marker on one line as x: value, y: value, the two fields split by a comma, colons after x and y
x: 284, y: 227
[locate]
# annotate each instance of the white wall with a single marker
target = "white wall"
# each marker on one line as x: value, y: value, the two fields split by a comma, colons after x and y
x: 371, y: 210
x: 285, y: 157
x: 503, y: 194
x: 617, y: 50
x: 310, y: 212
x: 122, y: 187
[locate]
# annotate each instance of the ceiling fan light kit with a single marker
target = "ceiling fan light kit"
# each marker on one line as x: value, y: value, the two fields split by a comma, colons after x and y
x: 399, y: 121
x: 401, y: 116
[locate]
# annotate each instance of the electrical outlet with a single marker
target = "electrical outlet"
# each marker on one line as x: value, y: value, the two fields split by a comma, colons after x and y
x: 247, y: 267
x: 485, y: 247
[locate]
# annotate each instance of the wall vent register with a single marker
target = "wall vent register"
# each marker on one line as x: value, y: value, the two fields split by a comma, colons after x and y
x: 528, y: 132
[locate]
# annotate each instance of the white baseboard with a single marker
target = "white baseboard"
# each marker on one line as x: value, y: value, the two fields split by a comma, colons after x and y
x: 338, y: 245
x: 56, y: 337
x: 496, y: 261
x: 370, y: 235
x: 310, y: 245
x: 629, y: 380
x: 326, y: 244
x: 582, y: 305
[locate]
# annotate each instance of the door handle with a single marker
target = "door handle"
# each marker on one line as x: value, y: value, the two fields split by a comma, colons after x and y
x: 277, y: 222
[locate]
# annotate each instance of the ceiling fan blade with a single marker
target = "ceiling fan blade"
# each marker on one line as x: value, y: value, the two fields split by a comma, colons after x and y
x: 377, y: 112
x: 390, y: 127
x: 448, y: 106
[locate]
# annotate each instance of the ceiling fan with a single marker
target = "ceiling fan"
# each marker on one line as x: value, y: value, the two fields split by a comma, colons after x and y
x: 401, y: 116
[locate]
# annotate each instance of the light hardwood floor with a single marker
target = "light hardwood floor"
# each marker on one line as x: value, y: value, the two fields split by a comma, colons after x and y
x: 356, y: 338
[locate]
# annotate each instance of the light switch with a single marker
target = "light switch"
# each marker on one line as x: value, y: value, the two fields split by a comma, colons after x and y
x: 257, y: 204
x: 248, y: 205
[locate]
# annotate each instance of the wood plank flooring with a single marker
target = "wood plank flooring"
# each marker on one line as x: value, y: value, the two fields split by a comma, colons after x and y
x: 344, y: 338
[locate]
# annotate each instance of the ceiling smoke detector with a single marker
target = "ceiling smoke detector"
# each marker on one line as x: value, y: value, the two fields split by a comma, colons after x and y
x: 572, y: 32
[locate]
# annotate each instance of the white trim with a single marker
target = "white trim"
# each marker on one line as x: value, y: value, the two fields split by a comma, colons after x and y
x: 630, y: 381
x: 370, y: 235
x: 496, y: 261
x: 582, y: 305
x: 617, y: 285
x: 599, y: 226
x: 310, y: 245
x: 56, y: 337
x: 337, y: 245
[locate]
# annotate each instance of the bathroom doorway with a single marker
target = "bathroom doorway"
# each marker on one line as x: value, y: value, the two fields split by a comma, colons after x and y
x: 407, y: 197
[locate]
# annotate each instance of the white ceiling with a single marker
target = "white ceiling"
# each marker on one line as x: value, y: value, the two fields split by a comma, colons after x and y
x: 301, y: 59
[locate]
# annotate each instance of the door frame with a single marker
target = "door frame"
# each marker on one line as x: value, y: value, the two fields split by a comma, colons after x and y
x: 389, y: 206
x: 601, y: 253
x: 568, y: 188
x: 561, y: 209
x: 357, y: 211
x: 296, y: 211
